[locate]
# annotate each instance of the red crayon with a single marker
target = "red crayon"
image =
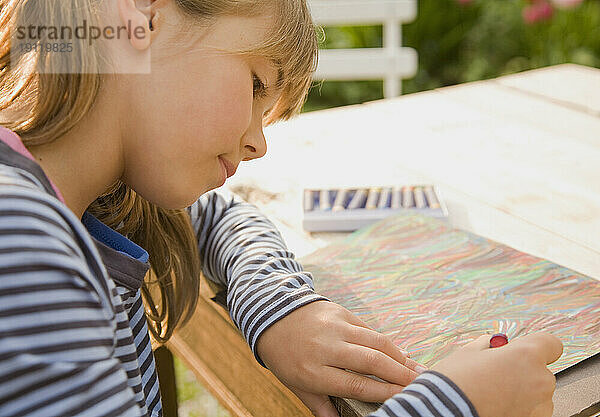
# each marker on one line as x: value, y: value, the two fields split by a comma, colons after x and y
x: 497, y: 340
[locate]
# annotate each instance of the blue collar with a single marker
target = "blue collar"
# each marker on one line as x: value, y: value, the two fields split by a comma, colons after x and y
x: 113, y: 239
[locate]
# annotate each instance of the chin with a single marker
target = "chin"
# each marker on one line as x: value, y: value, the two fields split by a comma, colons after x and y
x: 182, y: 203
x: 171, y: 201
x: 172, y: 196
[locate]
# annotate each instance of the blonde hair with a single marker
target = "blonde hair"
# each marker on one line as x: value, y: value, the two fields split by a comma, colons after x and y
x: 42, y: 106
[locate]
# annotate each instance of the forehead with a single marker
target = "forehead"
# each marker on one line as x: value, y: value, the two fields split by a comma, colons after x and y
x: 228, y: 34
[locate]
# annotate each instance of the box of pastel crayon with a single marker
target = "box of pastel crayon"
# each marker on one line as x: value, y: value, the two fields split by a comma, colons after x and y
x: 337, y: 210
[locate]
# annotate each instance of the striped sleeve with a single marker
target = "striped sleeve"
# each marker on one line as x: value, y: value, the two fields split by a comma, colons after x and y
x: 431, y: 394
x: 242, y: 250
x: 57, y: 325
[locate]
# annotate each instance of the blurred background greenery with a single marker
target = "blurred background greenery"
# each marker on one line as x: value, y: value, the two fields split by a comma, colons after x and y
x: 459, y: 41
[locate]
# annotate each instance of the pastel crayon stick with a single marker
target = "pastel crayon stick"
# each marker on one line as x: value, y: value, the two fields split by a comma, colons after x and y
x: 372, y: 198
x: 308, y: 200
x: 407, y: 197
x: 324, y: 203
x: 358, y: 199
x: 431, y: 197
x: 498, y: 339
x: 340, y: 199
x: 396, y: 197
x: 419, y: 197
x: 383, y: 197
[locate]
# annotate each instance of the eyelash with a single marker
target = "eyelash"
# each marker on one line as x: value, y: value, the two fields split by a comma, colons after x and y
x: 259, y: 89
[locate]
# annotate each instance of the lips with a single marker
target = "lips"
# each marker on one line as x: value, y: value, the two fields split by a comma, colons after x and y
x: 228, y: 166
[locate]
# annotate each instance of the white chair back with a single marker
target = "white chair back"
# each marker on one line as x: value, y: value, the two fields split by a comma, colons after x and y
x: 391, y: 63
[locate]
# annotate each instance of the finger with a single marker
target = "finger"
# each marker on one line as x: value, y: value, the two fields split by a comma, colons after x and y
x: 354, y: 320
x: 415, y: 366
x: 543, y: 410
x: 373, y: 362
x: 350, y: 385
x: 370, y: 338
x: 547, y: 346
x: 480, y: 343
x: 319, y: 405
x: 375, y: 340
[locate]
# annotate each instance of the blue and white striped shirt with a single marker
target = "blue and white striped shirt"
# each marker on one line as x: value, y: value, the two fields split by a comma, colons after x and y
x: 73, y: 335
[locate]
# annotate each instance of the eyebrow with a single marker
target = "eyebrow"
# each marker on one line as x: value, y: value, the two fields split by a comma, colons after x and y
x: 278, y: 83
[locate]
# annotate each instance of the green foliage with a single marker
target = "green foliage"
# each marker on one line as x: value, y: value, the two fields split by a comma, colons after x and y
x: 461, y: 43
x: 186, y: 388
x: 339, y: 93
x: 192, y: 398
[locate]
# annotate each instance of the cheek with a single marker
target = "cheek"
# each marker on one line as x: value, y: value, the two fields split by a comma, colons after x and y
x: 194, y: 117
x: 222, y: 109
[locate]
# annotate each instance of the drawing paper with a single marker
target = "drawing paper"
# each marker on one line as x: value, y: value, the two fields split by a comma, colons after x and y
x: 433, y: 288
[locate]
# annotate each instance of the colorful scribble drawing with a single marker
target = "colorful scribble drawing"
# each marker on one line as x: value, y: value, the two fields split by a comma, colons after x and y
x: 433, y: 288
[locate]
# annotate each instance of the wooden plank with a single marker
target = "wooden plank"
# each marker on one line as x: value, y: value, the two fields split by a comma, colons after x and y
x: 540, y: 167
x: 208, y: 378
x: 570, y: 85
x: 215, y: 350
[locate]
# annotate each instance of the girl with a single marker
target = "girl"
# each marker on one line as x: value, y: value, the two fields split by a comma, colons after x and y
x: 113, y: 138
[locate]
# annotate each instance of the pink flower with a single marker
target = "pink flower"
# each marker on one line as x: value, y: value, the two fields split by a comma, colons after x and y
x: 538, y: 11
x: 566, y: 4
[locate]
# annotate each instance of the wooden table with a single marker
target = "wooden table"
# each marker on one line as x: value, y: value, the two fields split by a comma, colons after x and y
x: 517, y: 160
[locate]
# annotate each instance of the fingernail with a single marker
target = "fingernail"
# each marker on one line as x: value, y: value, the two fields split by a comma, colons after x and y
x: 420, y: 369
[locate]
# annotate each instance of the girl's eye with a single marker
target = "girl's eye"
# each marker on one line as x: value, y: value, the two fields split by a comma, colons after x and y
x: 259, y: 88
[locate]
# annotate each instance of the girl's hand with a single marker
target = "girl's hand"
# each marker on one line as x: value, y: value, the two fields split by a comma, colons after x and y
x: 511, y: 380
x: 321, y: 348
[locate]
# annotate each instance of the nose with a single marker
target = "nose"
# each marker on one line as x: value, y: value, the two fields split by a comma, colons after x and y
x: 255, y: 145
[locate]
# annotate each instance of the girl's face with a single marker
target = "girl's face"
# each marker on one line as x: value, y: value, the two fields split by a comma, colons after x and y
x: 196, y: 109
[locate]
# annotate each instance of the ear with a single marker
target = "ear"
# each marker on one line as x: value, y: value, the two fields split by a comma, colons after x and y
x: 135, y: 15
x: 156, y: 22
